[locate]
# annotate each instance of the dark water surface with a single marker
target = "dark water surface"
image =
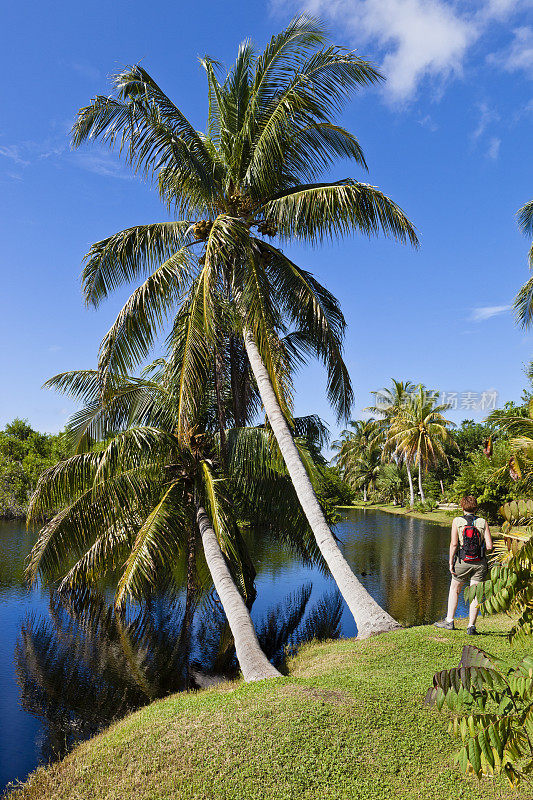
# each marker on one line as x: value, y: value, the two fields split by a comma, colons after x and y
x: 69, y: 667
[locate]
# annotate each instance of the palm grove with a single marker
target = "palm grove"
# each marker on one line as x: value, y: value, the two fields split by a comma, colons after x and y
x: 154, y: 468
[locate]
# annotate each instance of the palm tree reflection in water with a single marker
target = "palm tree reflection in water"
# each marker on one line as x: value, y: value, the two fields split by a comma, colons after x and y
x: 88, y: 665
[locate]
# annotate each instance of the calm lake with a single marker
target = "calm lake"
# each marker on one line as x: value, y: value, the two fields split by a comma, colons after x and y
x: 67, y: 668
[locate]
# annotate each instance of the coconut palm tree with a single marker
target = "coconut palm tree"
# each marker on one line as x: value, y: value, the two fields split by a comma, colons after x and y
x: 363, y: 471
x: 138, y: 502
x: 254, y: 475
x: 359, y: 454
x: 254, y: 173
x: 524, y: 300
x: 420, y: 431
x: 389, y: 403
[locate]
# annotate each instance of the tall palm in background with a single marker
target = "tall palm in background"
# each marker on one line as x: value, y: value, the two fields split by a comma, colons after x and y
x: 419, y: 432
x: 389, y: 403
x: 252, y: 174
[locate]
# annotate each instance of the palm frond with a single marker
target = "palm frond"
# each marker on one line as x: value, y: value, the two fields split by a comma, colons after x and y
x: 315, y: 212
x: 133, y: 333
x: 129, y: 255
x: 158, y: 539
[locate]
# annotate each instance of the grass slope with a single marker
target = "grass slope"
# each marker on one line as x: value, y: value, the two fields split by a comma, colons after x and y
x: 348, y: 722
x: 439, y: 516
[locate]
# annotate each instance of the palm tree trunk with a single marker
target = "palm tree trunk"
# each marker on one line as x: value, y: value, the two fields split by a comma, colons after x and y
x: 364, y: 493
x: 254, y: 664
x: 422, y: 497
x: 411, y: 487
x: 220, y: 406
x: 369, y: 617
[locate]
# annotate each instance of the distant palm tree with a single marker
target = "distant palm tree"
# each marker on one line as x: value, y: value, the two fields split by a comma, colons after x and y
x: 524, y: 300
x: 419, y: 432
x: 389, y: 403
x: 269, y: 138
x: 359, y: 454
x: 392, y: 482
x: 364, y: 470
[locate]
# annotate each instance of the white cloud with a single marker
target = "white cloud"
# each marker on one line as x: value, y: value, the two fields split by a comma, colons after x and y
x: 519, y: 55
x: 101, y: 163
x: 417, y: 39
x: 486, y: 116
x: 55, y: 149
x: 86, y: 70
x: 486, y: 312
x: 494, y: 148
x: 429, y: 123
x: 14, y: 153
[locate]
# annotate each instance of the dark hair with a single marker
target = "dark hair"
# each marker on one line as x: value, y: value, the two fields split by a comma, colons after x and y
x: 469, y: 504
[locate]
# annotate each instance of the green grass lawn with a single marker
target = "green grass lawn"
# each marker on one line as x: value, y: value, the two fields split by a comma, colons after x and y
x: 347, y: 722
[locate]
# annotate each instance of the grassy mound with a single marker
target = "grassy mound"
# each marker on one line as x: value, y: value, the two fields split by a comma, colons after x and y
x: 347, y: 722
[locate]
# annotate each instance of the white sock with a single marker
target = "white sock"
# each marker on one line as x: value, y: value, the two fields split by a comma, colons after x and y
x: 449, y: 620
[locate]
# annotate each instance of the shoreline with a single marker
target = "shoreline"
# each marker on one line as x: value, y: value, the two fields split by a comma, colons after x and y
x: 439, y: 516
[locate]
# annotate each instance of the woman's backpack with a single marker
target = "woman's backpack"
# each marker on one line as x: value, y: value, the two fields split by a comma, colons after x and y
x: 473, y: 546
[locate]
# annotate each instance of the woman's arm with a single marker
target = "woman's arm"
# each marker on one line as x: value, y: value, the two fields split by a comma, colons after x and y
x: 488, y: 537
x: 454, y: 544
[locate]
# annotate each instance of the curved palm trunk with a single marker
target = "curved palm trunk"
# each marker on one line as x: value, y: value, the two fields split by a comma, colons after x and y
x: 411, y: 487
x: 422, y: 497
x: 369, y: 617
x: 254, y: 664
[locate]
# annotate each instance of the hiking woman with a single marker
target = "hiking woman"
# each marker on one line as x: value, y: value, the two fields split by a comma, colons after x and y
x: 470, y: 541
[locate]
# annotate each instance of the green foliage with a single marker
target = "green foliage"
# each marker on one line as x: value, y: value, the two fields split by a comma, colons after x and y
x: 24, y: 455
x: 487, y: 479
x: 254, y: 174
x: 426, y: 506
x: 334, y: 488
x: 497, y: 732
x: 392, y: 483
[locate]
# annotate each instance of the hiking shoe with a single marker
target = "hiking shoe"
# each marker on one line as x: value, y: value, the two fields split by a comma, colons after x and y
x: 471, y: 631
x: 442, y: 623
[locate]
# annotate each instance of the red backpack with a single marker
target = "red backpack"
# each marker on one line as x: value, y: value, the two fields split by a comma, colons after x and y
x: 472, y: 548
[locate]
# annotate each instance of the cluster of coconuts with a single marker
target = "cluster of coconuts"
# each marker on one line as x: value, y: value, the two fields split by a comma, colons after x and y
x: 267, y: 229
x: 201, y: 229
x: 243, y: 205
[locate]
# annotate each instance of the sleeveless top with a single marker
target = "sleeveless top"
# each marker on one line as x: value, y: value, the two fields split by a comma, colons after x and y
x: 461, y: 522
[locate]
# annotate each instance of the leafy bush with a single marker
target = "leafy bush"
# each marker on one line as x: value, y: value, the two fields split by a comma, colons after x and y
x: 334, y: 488
x: 497, y: 734
x: 424, y: 507
x: 488, y: 480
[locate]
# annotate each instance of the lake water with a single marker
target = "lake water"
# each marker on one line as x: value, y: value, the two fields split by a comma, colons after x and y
x: 69, y: 667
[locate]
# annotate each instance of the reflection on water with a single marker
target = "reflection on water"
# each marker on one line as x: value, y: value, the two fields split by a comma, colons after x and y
x: 403, y: 563
x: 70, y: 665
x: 84, y: 665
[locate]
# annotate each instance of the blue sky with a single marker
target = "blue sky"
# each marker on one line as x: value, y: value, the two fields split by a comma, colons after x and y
x: 448, y: 137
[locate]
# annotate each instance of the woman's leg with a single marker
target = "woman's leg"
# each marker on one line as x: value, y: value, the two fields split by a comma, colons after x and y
x: 453, y: 598
x: 472, y: 613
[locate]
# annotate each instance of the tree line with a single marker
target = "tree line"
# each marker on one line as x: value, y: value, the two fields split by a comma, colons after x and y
x: 408, y: 453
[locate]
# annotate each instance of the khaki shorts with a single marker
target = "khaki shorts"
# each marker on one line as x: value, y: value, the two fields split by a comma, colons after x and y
x: 476, y: 571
